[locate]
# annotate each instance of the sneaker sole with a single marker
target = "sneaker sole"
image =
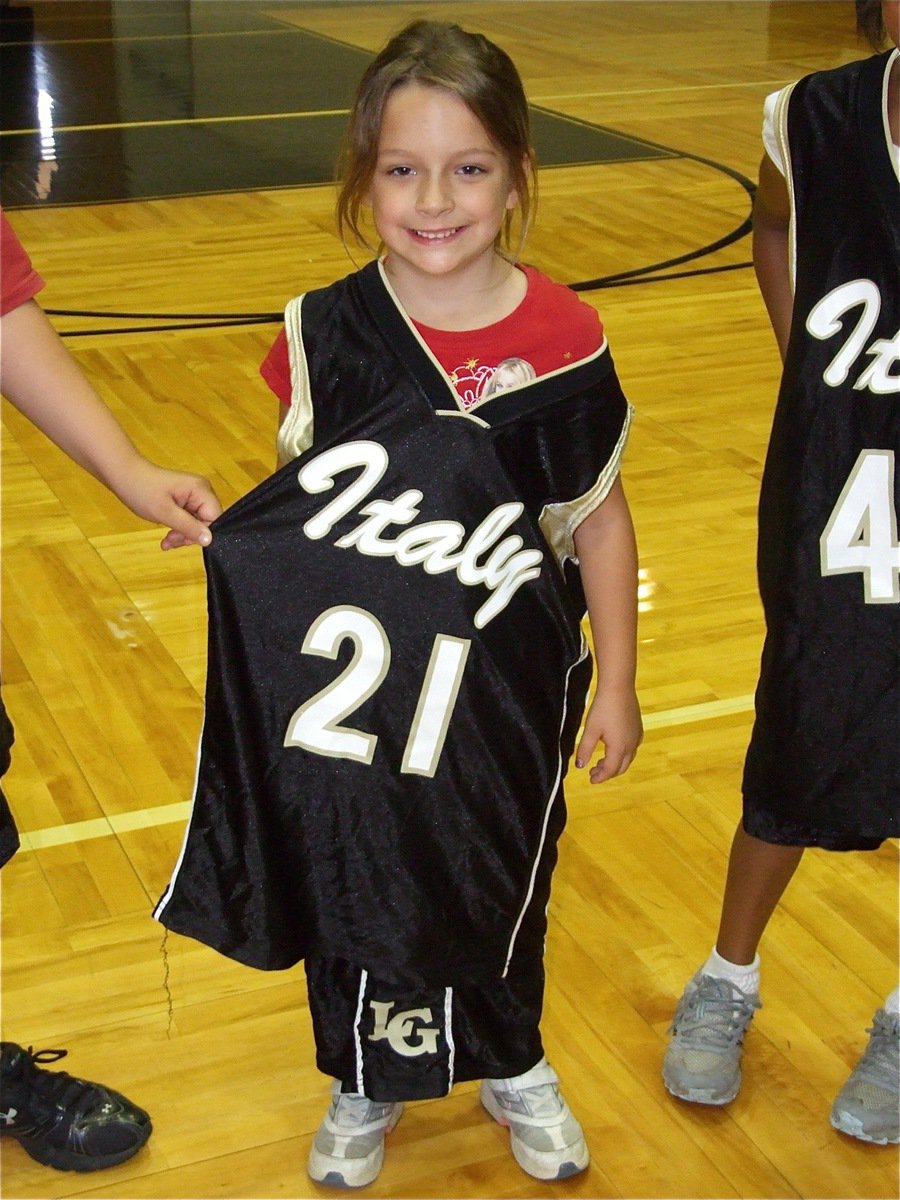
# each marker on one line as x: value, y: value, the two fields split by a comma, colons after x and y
x: 536, y: 1170
x: 853, y: 1127
x: 702, y: 1095
x: 342, y: 1172
x: 70, y: 1160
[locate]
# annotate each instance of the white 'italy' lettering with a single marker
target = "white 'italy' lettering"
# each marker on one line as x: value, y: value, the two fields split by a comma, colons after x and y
x: 484, y: 558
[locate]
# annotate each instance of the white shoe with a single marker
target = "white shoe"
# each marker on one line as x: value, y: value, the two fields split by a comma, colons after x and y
x: 348, y: 1148
x: 545, y: 1138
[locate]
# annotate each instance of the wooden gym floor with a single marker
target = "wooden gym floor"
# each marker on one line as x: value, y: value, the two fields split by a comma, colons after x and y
x: 649, y: 114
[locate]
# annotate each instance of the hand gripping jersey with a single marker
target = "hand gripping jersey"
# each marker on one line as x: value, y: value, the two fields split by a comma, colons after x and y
x: 823, y: 767
x: 396, y: 664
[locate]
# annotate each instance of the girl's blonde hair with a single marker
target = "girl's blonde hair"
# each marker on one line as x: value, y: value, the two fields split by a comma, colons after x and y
x: 440, y: 55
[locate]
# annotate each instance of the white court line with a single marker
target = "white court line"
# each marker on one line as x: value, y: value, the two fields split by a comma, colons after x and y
x: 105, y: 126
x: 85, y: 831
x: 624, y: 93
x: 698, y: 712
x: 172, y: 814
x: 308, y: 114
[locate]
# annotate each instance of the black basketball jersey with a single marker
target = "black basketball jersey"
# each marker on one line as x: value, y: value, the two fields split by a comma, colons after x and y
x: 396, y: 664
x: 823, y: 767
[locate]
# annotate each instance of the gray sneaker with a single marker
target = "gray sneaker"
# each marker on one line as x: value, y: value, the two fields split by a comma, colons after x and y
x: 545, y: 1138
x: 868, y: 1105
x: 348, y: 1148
x: 703, y: 1059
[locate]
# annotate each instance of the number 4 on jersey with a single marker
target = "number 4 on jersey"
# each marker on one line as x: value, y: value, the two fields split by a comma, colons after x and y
x: 861, y: 534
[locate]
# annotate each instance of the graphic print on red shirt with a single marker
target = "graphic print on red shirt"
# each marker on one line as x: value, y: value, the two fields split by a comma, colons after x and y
x: 550, y: 329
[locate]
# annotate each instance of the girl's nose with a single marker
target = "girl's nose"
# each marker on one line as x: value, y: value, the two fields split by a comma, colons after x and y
x: 433, y: 196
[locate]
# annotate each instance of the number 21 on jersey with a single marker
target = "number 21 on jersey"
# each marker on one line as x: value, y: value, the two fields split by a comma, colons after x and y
x: 861, y: 534
x: 317, y: 724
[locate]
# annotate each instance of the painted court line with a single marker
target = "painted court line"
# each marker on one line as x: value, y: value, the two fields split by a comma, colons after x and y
x: 100, y: 127
x: 85, y: 831
x: 171, y: 814
x: 698, y: 712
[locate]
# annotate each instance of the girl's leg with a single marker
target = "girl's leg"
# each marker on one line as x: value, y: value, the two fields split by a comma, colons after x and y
x: 758, y: 873
x: 703, y: 1059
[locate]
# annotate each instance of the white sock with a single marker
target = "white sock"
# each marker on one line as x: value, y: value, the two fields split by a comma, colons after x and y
x: 746, y: 977
x: 892, y: 1004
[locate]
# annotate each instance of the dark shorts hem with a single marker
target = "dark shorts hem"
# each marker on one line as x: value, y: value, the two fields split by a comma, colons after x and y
x: 810, y: 839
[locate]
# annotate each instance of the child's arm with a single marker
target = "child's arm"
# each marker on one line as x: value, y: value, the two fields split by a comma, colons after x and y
x: 771, y: 221
x: 607, y: 554
x: 40, y: 377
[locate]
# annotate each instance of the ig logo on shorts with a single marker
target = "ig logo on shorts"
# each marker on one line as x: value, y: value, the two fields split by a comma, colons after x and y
x: 406, y: 1032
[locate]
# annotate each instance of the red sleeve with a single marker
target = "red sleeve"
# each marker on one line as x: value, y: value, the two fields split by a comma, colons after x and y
x: 18, y: 279
x: 276, y: 368
x: 588, y: 330
x: 578, y: 330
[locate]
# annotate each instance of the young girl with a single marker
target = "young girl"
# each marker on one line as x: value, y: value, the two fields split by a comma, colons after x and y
x: 397, y: 668
x: 823, y: 767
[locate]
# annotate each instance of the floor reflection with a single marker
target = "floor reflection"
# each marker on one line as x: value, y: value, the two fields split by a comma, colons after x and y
x: 136, y: 99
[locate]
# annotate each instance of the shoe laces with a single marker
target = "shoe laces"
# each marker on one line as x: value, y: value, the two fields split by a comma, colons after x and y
x: 41, y: 1056
x: 880, y: 1063
x: 56, y: 1088
x: 714, y: 1015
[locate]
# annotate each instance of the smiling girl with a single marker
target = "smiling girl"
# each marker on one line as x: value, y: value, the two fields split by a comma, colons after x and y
x: 448, y: 507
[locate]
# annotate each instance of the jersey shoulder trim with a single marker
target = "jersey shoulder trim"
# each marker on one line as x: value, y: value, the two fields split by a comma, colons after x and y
x: 296, y: 432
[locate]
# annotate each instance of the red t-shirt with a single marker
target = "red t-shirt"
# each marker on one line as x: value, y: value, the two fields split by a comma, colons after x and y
x: 18, y: 279
x: 549, y: 329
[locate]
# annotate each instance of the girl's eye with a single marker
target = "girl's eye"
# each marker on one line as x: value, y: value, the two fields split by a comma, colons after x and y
x: 472, y: 169
x: 402, y: 172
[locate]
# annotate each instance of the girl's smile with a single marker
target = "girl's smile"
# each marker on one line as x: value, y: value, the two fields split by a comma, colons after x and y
x: 436, y: 235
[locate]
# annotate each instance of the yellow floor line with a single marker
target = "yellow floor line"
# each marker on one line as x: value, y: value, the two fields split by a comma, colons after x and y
x: 698, y: 712
x: 85, y: 831
x: 63, y: 835
x: 170, y: 814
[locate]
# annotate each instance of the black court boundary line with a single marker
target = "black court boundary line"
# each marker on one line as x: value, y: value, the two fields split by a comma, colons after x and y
x: 637, y: 275
x: 646, y: 274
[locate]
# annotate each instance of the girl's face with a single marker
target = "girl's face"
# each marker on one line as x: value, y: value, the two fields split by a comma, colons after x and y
x: 440, y: 190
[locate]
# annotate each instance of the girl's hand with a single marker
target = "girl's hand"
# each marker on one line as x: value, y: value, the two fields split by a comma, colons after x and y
x: 186, y: 503
x: 45, y: 383
x: 614, y: 718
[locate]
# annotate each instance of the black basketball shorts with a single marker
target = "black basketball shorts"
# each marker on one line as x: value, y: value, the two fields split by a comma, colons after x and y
x: 401, y: 1041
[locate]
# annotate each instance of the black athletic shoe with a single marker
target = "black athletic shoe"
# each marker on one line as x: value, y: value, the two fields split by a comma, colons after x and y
x: 62, y: 1121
